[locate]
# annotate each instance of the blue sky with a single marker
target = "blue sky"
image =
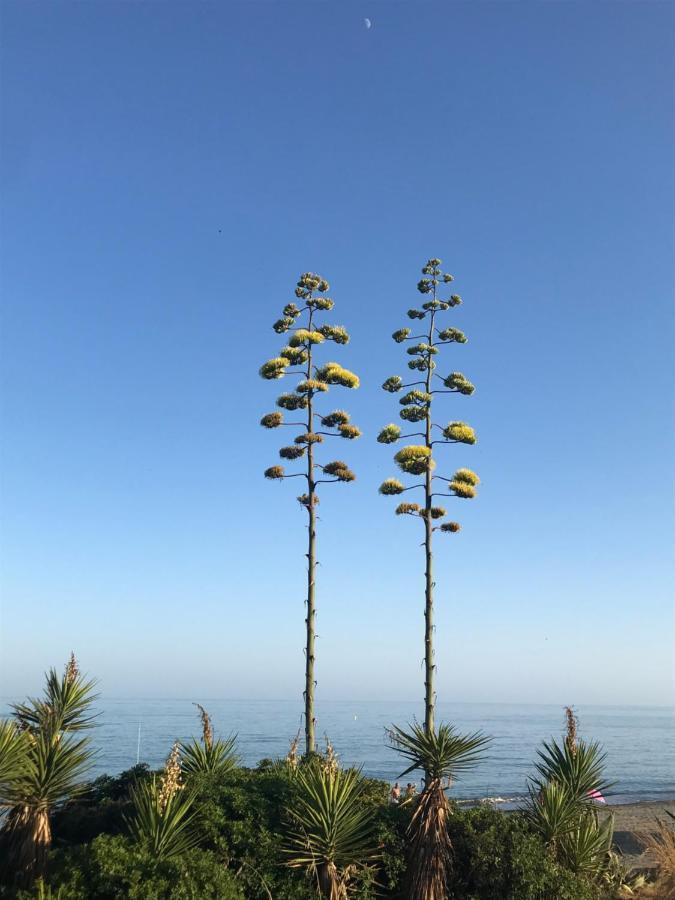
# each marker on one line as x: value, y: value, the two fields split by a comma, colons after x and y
x: 167, y: 172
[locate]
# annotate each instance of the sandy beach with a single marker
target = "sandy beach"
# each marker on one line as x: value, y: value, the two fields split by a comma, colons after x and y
x: 632, y: 818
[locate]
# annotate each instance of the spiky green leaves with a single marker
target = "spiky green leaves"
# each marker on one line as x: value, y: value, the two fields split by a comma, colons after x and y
x: 458, y: 382
x: 451, y: 527
x: 334, y: 373
x: 291, y: 452
x: 408, y: 509
x: 272, y: 420
x: 339, y: 470
x: 389, y: 434
x: 274, y: 472
x: 390, y: 487
x: 400, y: 335
x: 460, y: 433
x: 393, y: 385
x: 452, y: 336
x: 274, y: 368
x: 441, y: 754
x: 292, y: 402
x: 414, y: 460
x: 303, y: 338
x: 349, y: 431
x: 335, y: 333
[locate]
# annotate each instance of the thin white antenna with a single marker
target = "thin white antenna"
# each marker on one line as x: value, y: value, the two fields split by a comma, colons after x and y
x: 138, y: 745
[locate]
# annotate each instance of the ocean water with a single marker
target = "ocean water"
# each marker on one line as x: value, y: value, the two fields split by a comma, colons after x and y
x: 639, y: 741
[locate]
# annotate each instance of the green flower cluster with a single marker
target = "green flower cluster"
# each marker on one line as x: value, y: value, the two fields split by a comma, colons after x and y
x: 272, y: 420
x: 458, y: 382
x: 339, y: 470
x: 391, y: 486
x: 389, y: 434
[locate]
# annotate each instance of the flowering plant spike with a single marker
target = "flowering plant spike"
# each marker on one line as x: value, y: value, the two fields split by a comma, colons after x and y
x: 305, y: 336
x: 424, y: 343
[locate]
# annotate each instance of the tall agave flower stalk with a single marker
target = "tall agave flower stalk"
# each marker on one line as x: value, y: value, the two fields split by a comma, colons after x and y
x: 298, y: 358
x: 418, y: 459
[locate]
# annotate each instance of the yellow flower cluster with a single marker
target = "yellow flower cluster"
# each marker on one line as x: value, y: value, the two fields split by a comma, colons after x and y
x: 302, y: 337
x: 415, y: 460
x: 391, y: 487
x: 467, y: 476
x: 459, y: 432
x: 407, y: 509
x: 274, y: 368
x: 349, y: 431
x: 334, y: 373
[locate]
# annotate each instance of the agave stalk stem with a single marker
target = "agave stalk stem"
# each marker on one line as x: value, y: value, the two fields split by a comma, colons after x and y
x: 429, y: 699
x: 310, y: 739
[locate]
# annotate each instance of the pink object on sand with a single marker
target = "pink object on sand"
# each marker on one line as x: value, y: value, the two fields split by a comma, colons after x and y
x: 596, y: 795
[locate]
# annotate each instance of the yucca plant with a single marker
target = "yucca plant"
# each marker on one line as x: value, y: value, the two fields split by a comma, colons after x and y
x: 164, y: 818
x: 332, y: 832
x: 561, y: 808
x: 417, y: 459
x: 585, y: 849
x: 211, y: 756
x: 13, y: 753
x: 298, y: 358
x: 52, y: 771
x: 573, y: 763
x: 443, y: 755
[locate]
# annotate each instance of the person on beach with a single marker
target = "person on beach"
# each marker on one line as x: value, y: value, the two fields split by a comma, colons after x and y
x: 395, y: 793
x: 410, y: 791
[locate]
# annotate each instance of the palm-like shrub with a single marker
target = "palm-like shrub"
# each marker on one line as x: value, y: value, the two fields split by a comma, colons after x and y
x: 13, y: 753
x: 51, y: 771
x: 298, y: 358
x: 560, y: 807
x: 164, y: 815
x: 213, y: 757
x: 332, y: 833
x: 443, y: 754
x: 417, y: 458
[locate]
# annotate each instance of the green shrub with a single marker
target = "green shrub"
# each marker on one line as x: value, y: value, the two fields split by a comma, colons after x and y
x: 497, y: 855
x: 112, y: 868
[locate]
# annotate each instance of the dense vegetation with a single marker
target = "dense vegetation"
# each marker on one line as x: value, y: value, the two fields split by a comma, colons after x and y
x: 291, y: 829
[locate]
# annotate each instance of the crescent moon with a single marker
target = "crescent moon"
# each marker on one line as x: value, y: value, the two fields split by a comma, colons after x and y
x: 368, y: 23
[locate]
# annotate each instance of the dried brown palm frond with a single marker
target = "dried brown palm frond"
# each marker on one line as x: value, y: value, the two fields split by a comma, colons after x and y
x: 430, y: 848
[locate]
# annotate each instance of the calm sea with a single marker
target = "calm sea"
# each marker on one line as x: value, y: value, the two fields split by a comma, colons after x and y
x: 639, y: 741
